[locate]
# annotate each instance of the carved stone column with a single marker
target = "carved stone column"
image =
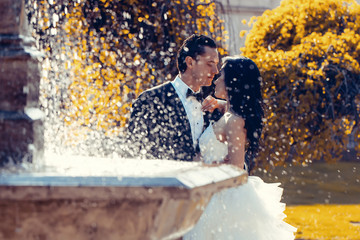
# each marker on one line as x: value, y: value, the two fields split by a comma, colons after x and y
x: 21, y: 126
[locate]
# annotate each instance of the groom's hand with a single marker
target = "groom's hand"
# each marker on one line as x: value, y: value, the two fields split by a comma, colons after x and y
x: 210, y: 104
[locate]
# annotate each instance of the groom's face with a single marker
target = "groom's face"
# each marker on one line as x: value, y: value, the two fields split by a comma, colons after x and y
x: 206, y: 66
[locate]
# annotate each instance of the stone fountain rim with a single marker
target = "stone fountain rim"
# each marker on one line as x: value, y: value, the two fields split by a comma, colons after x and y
x: 38, y: 186
x: 175, y: 178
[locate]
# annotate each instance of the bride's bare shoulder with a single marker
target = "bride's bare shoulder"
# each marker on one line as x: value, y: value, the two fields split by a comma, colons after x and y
x: 234, y: 120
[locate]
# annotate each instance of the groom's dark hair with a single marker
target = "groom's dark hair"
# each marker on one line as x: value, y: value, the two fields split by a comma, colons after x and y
x: 193, y: 46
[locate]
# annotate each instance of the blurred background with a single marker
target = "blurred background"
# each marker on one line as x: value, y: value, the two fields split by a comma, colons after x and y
x: 100, y: 55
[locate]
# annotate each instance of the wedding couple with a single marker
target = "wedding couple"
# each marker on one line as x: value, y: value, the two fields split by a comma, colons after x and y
x: 168, y: 122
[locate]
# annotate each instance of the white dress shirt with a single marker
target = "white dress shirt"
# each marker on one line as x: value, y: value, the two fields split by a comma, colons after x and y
x: 192, y: 109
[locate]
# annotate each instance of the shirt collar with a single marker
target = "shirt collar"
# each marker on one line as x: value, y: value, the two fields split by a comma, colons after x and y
x: 180, y: 86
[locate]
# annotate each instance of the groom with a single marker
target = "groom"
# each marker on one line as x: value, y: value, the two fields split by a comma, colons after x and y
x: 167, y: 120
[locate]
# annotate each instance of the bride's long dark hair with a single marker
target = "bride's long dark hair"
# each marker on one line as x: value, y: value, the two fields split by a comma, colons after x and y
x: 243, y: 82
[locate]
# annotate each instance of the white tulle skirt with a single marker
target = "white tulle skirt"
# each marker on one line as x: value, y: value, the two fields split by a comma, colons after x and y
x: 252, y: 211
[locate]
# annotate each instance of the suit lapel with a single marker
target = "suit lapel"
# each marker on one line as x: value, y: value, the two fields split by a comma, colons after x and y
x: 183, y: 125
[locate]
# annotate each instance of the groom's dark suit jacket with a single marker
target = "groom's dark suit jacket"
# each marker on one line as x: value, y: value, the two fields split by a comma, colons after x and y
x: 158, y: 126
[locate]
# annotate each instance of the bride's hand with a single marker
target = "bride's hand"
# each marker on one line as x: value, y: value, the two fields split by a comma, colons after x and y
x: 210, y: 104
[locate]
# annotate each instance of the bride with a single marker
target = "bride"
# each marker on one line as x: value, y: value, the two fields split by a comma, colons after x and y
x: 253, y: 210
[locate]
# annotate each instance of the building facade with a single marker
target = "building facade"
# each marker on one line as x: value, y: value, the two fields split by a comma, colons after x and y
x: 233, y: 12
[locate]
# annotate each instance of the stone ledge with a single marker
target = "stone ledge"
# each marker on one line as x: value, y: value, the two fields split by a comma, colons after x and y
x: 118, y: 199
x: 39, y: 186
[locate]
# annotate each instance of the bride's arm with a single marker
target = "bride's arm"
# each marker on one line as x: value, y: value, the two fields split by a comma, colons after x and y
x: 236, y: 138
x: 210, y: 104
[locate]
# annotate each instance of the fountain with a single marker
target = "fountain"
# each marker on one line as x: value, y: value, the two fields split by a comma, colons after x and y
x: 21, y: 126
x: 78, y: 197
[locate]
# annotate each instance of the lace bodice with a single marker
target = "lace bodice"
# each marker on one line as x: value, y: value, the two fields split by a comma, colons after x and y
x: 211, y: 149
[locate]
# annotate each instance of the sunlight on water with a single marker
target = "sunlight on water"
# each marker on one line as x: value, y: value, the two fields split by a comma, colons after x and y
x: 91, y: 166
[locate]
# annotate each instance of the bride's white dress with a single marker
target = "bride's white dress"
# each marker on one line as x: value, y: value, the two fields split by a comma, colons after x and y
x: 252, y: 211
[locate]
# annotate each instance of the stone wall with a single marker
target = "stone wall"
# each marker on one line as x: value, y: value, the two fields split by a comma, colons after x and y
x: 21, y: 126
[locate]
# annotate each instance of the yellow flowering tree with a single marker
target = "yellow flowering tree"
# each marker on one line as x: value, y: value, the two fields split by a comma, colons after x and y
x: 308, y: 53
x: 112, y: 50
